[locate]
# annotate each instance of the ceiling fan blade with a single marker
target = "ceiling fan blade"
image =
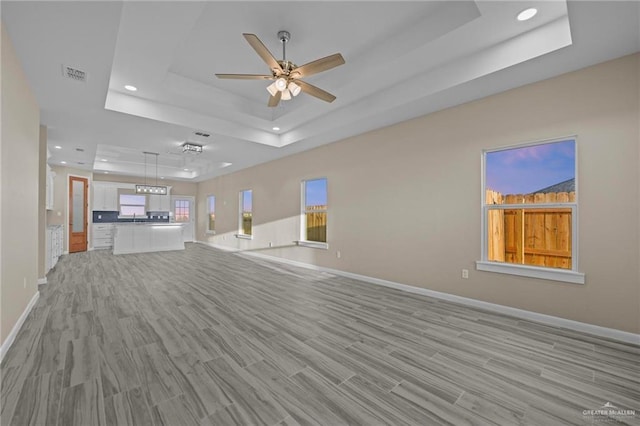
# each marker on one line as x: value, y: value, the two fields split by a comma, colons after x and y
x: 315, y: 91
x: 318, y: 65
x: 262, y: 51
x: 246, y: 76
x: 275, y: 100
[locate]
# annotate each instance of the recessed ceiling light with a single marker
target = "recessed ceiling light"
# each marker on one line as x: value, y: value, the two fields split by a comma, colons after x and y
x: 104, y: 159
x: 527, y: 14
x: 63, y: 162
x: 106, y: 173
x: 186, y: 170
x: 276, y: 128
x: 131, y: 88
x: 57, y: 147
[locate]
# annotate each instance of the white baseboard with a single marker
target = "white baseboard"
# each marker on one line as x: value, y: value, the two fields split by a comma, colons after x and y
x: 42, y: 280
x: 16, y: 328
x: 610, y: 333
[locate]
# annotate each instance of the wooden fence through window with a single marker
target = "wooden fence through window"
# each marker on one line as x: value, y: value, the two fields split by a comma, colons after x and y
x: 538, y: 236
x: 316, y: 223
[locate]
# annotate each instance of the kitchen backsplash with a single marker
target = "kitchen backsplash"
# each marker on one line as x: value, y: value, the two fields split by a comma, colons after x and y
x: 112, y: 216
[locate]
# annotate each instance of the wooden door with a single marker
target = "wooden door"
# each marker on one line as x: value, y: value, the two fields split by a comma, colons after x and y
x: 78, y: 207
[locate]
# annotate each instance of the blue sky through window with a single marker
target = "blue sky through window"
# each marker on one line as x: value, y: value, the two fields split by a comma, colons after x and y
x: 530, y: 168
x: 247, y: 200
x: 315, y: 192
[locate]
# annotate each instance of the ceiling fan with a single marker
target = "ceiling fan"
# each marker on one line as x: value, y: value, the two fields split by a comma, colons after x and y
x: 286, y: 74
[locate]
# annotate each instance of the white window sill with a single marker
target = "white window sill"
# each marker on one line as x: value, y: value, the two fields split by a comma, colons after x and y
x: 313, y: 244
x: 244, y: 236
x: 532, y: 271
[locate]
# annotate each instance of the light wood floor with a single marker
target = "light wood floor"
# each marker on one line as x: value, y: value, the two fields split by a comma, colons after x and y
x: 214, y: 338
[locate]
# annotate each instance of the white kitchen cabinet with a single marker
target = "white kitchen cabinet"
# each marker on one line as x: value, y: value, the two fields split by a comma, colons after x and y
x: 105, y: 197
x: 55, y: 243
x: 102, y: 235
x: 111, y: 199
x: 159, y: 203
x: 147, y: 237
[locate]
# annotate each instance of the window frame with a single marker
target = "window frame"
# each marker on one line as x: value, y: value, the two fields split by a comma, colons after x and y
x: 241, y: 211
x: 303, y: 217
x: 208, y: 208
x: 144, y: 206
x: 176, y: 207
x: 555, y: 274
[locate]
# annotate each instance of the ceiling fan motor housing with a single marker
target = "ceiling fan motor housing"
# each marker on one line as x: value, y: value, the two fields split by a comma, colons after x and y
x: 284, y: 36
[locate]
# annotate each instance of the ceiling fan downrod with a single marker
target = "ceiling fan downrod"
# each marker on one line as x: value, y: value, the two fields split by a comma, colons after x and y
x: 284, y: 37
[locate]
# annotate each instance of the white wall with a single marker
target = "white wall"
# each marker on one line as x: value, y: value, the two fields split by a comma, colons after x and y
x: 404, y: 201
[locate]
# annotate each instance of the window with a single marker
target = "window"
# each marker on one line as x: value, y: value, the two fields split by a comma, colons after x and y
x: 314, y: 212
x: 133, y: 205
x: 529, y: 211
x: 182, y: 211
x: 246, y: 215
x: 211, y: 213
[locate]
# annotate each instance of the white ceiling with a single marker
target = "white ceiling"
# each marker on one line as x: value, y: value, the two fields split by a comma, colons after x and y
x: 403, y: 59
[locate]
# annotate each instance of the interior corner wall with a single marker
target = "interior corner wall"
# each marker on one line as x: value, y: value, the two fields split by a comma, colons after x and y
x: 42, y: 202
x: 19, y: 179
x: 404, y: 201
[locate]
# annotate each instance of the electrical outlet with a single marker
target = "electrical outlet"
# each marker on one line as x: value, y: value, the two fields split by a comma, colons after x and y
x: 338, y: 254
x: 465, y: 273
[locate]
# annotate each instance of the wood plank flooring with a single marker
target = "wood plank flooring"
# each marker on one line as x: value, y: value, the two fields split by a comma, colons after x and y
x: 205, y: 337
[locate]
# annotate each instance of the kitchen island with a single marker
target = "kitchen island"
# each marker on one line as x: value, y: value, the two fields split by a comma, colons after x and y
x: 141, y: 237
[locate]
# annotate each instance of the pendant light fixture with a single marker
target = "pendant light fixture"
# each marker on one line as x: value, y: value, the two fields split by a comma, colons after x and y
x: 151, y: 189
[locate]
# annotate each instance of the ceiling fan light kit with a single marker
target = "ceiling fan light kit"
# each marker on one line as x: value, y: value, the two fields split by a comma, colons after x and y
x: 294, y: 89
x: 286, y: 74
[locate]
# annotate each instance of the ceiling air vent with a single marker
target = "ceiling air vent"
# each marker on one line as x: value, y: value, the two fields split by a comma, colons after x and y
x: 80, y: 149
x: 204, y: 135
x: 74, y: 73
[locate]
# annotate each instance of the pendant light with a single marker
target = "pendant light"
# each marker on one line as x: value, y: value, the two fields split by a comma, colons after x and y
x: 151, y: 189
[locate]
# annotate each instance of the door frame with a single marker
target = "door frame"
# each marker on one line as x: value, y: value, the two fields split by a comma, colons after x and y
x: 67, y: 233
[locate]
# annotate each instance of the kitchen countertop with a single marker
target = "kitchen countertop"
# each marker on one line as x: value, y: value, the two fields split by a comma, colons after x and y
x: 147, y: 223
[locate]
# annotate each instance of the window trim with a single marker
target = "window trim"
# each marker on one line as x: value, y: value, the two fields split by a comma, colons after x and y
x: 176, y: 207
x: 313, y: 244
x: 303, y: 242
x: 146, y: 201
x: 572, y: 275
x: 240, y: 233
x: 210, y: 231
